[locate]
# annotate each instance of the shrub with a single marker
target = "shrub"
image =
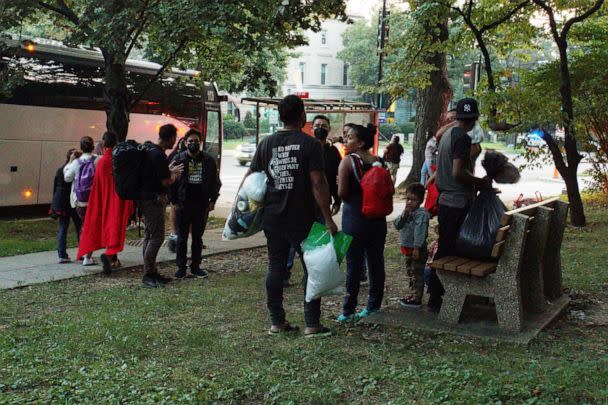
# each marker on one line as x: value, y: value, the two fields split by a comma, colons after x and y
x: 233, y: 130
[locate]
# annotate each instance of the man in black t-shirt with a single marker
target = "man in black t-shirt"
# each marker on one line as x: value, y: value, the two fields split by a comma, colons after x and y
x: 193, y: 196
x: 158, y: 176
x: 293, y: 162
x: 456, y: 185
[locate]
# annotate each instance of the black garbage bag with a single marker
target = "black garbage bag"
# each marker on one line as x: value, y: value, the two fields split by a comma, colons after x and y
x: 478, y: 231
x: 498, y: 167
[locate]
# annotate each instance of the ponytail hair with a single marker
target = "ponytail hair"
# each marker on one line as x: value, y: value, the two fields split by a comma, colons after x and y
x: 365, y: 134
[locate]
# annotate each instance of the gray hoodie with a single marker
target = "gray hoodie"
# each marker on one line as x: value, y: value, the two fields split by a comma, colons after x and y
x: 414, y: 228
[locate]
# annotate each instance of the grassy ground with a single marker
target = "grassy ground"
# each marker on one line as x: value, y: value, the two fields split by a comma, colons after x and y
x: 19, y: 237
x: 99, y: 340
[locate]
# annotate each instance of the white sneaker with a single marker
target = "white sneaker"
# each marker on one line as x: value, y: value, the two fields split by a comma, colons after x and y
x: 89, y: 261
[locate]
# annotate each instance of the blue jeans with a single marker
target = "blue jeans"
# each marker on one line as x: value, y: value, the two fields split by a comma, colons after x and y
x: 62, y: 235
x: 367, y: 247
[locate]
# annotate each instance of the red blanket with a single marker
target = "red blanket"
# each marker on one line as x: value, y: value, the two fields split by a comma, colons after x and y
x: 107, y: 217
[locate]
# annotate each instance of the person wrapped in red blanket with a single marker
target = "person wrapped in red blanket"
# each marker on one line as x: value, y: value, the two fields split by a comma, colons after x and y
x: 107, y: 218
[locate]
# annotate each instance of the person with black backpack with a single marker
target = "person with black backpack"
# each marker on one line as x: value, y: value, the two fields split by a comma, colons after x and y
x: 158, y: 177
x: 80, y: 171
x: 365, y: 207
x: 193, y: 196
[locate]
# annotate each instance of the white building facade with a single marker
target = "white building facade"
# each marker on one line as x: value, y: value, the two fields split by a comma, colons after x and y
x: 316, y: 69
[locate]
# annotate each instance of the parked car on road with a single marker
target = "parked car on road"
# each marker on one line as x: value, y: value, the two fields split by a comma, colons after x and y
x: 245, y: 152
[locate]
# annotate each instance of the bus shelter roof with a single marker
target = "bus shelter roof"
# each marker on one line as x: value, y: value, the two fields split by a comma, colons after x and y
x: 317, y: 105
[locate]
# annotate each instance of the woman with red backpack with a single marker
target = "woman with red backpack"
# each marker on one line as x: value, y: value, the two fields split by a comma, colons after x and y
x: 366, y: 188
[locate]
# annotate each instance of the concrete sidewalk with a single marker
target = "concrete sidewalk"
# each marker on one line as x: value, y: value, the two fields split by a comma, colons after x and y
x: 42, y: 267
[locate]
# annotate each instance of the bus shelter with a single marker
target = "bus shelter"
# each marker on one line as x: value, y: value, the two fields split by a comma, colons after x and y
x: 339, y: 112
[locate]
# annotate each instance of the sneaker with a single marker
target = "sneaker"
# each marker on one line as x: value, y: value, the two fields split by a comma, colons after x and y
x: 106, y: 262
x: 89, y: 261
x: 198, y: 273
x: 150, y: 282
x: 63, y: 260
x: 364, y: 313
x: 161, y: 279
x: 172, y: 243
x: 346, y: 318
x: 281, y: 329
x: 410, y: 302
x: 318, y: 331
x: 180, y: 274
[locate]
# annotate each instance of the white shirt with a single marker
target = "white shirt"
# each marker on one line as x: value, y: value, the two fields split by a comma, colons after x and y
x: 69, y: 174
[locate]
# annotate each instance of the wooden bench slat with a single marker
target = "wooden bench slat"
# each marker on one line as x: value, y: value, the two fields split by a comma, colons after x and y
x: 502, y: 232
x: 466, y: 267
x: 497, y: 249
x: 453, y: 265
x: 439, y: 263
x: 483, y: 269
x: 527, y: 210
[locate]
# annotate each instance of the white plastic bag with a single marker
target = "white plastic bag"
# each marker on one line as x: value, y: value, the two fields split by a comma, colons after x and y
x: 324, y: 275
x: 254, y: 186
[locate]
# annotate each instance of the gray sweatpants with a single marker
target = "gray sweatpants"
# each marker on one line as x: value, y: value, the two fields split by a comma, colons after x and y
x: 153, y: 212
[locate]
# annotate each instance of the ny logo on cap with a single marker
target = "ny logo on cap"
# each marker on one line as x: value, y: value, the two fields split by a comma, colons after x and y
x: 467, y: 108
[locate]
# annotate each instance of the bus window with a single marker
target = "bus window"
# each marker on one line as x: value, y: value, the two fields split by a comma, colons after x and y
x: 212, y: 134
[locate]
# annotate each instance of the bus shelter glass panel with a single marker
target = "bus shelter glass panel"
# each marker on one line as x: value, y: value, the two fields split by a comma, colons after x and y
x: 212, y: 137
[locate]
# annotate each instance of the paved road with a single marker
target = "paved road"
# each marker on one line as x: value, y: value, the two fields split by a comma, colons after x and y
x: 533, y: 179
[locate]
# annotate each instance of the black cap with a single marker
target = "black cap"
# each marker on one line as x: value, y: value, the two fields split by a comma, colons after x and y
x: 467, y: 109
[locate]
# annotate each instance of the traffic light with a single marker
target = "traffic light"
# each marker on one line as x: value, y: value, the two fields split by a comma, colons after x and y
x: 383, y: 30
x: 471, y: 77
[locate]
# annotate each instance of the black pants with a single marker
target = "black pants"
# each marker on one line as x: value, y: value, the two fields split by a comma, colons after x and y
x: 366, y: 248
x: 278, y: 243
x: 450, y: 221
x: 190, y: 215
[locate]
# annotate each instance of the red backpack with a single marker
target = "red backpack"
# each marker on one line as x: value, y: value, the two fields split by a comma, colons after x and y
x: 377, y: 188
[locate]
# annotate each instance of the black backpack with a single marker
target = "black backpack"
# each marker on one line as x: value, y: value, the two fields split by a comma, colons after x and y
x: 127, y: 165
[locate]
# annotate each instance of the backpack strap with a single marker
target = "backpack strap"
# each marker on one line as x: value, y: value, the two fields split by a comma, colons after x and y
x: 357, y: 164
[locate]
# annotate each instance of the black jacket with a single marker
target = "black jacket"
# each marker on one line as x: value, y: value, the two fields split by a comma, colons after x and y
x: 60, y: 205
x: 332, y: 162
x: 211, y: 182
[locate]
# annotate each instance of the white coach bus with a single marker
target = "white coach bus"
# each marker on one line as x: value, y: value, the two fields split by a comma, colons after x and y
x: 60, y: 99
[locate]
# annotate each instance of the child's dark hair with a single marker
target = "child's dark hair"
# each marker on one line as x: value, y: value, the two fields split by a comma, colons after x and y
x: 417, y: 189
x: 365, y: 134
x: 87, y: 144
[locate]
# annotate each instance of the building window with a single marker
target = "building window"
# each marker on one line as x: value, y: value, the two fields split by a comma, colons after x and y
x: 302, y: 68
x: 345, y: 75
x: 323, y: 72
x: 323, y: 37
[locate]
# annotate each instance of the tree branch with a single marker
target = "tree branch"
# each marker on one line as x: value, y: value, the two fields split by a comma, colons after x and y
x: 63, y: 10
x: 159, y: 73
x: 470, y: 9
x: 580, y: 18
x: 506, y: 17
x: 143, y: 19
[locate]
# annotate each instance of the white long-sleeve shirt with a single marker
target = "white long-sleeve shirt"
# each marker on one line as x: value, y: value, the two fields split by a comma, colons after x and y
x: 69, y: 174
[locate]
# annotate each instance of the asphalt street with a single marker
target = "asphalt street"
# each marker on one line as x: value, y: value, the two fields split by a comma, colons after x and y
x: 532, y: 179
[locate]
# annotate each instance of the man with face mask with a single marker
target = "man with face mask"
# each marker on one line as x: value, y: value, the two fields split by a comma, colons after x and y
x: 193, y: 196
x: 332, y: 158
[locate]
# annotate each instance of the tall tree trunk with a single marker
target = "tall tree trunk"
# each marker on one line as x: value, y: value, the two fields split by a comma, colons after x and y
x: 116, y: 97
x: 431, y: 102
x: 573, y: 157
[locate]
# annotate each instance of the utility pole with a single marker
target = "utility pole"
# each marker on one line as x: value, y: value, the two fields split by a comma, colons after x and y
x: 382, y: 38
